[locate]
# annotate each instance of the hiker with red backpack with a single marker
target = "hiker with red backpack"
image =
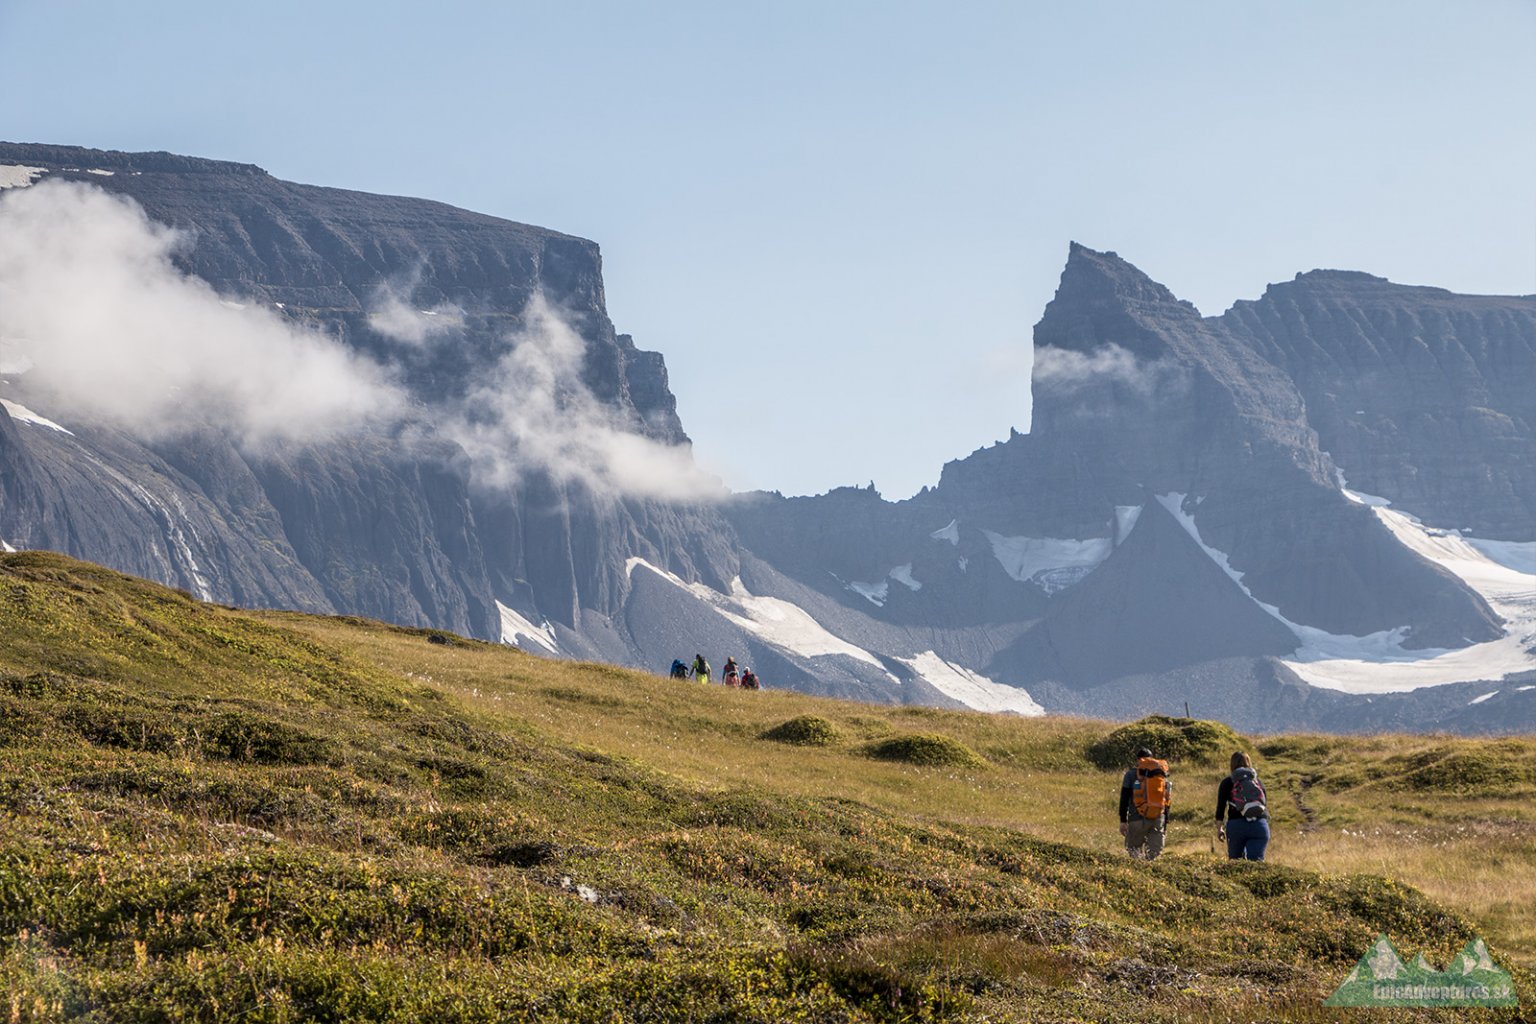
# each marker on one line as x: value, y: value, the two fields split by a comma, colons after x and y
x: 1242, y: 817
x: 1146, y: 793
x: 730, y: 675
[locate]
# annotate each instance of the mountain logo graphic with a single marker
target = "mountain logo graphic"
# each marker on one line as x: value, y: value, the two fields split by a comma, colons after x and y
x: 1381, y: 978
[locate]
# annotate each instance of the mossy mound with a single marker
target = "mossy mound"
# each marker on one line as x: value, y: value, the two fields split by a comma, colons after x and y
x: 805, y: 731
x: 1483, y: 770
x: 927, y: 749
x: 1179, y: 740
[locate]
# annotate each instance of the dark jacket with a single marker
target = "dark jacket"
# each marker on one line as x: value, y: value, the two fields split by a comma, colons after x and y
x: 1224, y: 802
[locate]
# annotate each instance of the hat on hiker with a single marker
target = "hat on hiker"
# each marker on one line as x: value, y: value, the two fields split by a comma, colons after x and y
x: 1143, y: 752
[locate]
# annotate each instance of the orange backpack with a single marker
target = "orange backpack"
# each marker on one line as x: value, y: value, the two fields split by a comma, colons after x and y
x: 1151, y: 793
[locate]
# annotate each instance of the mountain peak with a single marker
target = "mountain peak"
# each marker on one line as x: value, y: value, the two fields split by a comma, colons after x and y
x: 1097, y: 273
x: 1103, y: 298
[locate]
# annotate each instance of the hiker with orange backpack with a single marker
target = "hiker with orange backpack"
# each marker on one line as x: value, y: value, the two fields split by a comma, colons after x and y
x: 1146, y: 793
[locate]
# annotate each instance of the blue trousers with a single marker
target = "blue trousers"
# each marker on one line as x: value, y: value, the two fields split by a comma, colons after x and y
x: 1246, y: 839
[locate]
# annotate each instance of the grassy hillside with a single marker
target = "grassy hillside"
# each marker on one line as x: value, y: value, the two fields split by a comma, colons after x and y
x: 218, y: 815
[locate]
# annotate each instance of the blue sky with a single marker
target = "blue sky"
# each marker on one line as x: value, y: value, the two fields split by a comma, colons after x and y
x: 839, y: 221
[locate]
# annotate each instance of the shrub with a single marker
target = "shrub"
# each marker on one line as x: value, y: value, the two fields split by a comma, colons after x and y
x: 1182, y: 740
x: 928, y: 749
x: 237, y: 736
x: 805, y: 731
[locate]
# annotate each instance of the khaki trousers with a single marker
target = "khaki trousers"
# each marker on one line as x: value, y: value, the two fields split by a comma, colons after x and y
x: 1144, y: 837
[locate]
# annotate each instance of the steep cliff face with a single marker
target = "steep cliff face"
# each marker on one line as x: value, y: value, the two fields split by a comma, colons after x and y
x: 324, y: 254
x: 1136, y: 394
x: 367, y: 524
x: 1417, y: 393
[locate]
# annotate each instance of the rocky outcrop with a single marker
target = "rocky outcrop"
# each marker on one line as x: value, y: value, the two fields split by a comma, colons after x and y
x: 1136, y: 393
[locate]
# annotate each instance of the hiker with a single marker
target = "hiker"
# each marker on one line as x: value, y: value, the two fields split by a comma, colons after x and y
x: 1242, y: 818
x: 749, y: 680
x: 679, y: 669
x: 1146, y: 793
x: 730, y: 675
x: 700, y: 668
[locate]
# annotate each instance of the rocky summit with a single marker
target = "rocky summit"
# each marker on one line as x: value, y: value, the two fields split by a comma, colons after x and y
x: 1316, y: 510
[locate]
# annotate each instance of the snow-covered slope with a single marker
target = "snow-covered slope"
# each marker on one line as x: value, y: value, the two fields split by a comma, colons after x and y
x: 1379, y: 662
x: 796, y: 636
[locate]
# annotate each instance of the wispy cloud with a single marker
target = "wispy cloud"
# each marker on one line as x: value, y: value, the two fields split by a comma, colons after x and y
x: 392, y: 314
x: 115, y: 332
x: 1063, y: 371
x: 109, y: 330
x: 533, y: 411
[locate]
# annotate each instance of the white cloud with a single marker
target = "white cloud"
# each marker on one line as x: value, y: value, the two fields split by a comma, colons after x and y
x: 115, y: 332
x: 392, y: 314
x: 534, y: 412
x: 1066, y: 370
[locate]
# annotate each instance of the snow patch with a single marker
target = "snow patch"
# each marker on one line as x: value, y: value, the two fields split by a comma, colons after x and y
x: 19, y: 175
x: 1359, y: 497
x: 514, y: 626
x: 878, y: 593
x: 1479, y: 700
x: 5, y: 546
x: 874, y: 593
x: 21, y: 414
x: 100, y: 171
x: 962, y: 562
x: 1519, y: 555
x: 179, y: 538
x: 779, y: 622
x: 1518, y: 689
x: 1378, y: 662
x: 950, y: 533
x: 1125, y: 521
x: 970, y: 688
x: 1052, y: 564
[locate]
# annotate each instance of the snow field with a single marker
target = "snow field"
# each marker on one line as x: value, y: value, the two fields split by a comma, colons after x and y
x: 514, y: 627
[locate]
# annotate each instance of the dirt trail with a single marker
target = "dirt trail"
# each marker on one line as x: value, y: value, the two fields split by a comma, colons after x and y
x: 1298, y: 787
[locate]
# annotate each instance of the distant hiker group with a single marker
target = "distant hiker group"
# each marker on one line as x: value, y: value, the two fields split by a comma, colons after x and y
x: 731, y: 675
x: 1146, y: 797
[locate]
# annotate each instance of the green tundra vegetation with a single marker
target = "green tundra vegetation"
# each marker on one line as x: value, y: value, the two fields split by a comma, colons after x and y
x: 215, y: 815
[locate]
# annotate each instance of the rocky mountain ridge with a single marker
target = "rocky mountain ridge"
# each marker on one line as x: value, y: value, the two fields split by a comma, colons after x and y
x: 1175, y: 526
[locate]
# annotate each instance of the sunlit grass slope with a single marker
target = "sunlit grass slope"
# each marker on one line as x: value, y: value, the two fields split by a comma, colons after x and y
x: 218, y: 815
